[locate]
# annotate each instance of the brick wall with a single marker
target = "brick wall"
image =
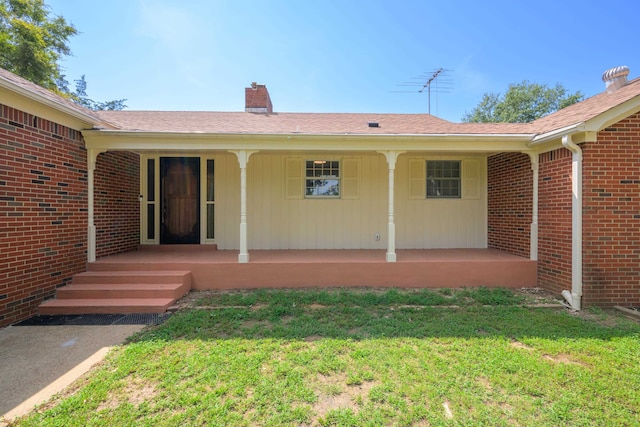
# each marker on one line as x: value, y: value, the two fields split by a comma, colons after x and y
x: 43, y: 209
x: 510, y: 189
x: 510, y: 204
x: 554, y: 221
x: 117, y: 209
x: 611, y: 221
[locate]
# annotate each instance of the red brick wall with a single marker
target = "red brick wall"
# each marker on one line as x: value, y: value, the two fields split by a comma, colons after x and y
x: 611, y: 221
x: 554, y: 221
x: 510, y: 189
x: 43, y: 209
x: 117, y: 209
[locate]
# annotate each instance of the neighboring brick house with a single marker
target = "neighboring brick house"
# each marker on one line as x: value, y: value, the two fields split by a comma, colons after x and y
x: 78, y: 185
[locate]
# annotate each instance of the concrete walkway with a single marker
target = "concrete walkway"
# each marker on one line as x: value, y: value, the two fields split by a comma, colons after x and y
x: 38, y: 361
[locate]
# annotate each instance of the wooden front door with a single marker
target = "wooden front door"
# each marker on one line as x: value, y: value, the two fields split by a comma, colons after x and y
x: 180, y: 196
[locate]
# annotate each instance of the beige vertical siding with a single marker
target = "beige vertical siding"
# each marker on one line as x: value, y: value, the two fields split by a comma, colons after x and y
x: 281, y: 219
x: 227, y: 201
x: 442, y: 223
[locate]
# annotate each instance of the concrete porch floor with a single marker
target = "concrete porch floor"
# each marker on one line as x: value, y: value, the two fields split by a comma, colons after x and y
x: 219, y: 269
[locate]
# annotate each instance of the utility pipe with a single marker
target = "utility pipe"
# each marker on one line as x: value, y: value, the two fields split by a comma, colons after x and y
x: 533, y: 239
x: 574, y: 298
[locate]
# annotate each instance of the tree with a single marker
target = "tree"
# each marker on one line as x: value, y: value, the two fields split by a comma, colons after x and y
x: 522, y: 103
x: 79, y: 96
x: 31, y: 45
x: 31, y: 42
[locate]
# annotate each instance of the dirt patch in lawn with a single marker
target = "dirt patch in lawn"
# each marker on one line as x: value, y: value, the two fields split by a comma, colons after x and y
x: 135, y: 392
x: 334, y: 393
x: 517, y: 344
x: 563, y: 358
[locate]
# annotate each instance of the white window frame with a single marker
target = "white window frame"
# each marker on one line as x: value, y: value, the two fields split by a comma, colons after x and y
x: 320, y: 162
x: 457, y: 179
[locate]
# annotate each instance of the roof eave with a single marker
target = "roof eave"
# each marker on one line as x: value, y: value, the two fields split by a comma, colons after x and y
x: 586, y: 131
x: 85, y: 120
x: 104, y: 140
x: 201, y: 134
x: 556, y: 134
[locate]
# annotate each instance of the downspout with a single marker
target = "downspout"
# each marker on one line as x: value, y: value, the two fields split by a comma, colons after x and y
x: 574, y: 298
x: 533, y: 236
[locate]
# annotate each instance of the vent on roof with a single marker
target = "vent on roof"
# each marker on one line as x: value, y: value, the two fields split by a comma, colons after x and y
x: 615, y: 78
x: 374, y: 124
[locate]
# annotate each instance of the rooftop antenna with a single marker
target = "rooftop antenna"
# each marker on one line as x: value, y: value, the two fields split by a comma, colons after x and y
x: 439, y: 77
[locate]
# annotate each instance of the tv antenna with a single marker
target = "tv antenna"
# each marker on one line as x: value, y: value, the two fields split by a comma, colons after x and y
x: 439, y: 78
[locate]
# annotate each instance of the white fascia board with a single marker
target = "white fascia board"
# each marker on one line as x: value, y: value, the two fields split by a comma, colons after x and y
x: 613, y: 115
x: 191, y: 141
x: 591, y: 126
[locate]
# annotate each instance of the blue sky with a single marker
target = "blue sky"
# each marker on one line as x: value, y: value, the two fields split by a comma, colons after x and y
x: 341, y: 56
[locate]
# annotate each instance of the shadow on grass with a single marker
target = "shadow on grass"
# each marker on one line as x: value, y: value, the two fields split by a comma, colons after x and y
x: 346, y: 314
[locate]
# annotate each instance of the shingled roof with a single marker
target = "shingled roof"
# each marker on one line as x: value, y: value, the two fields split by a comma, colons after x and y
x: 358, y: 123
x: 300, y: 123
x: 588, y: 109
x: 317, y: 123
x: 10, y: 80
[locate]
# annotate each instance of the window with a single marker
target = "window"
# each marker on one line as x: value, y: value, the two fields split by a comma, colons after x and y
x: 210, y: 199
x: 443, y: 179
x: 322, y: 179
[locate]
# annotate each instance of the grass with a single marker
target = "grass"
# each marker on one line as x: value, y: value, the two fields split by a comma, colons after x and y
x: 354, y: 357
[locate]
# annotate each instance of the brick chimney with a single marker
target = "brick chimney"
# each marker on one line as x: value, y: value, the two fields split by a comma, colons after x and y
x: 257, y: 99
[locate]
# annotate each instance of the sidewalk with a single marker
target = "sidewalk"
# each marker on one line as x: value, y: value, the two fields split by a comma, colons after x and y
x: 37, y: 362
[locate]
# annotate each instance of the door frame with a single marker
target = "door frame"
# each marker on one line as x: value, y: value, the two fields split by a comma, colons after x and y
x: 153, y: 238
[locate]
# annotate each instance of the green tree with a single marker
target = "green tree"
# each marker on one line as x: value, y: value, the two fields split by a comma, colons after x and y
x: 79, y: 96
x: 522, y: 103
x: 31, y: 44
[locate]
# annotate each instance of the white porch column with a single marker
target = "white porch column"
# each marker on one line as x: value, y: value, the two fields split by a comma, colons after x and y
x: 392, y: 157
x: 92, y: 156
x: 535, y: 166
x: 243, y: 159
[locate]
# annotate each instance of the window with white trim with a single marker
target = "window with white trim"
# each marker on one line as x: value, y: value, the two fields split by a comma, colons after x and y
x: 322, y: 179
x: 444, y: 179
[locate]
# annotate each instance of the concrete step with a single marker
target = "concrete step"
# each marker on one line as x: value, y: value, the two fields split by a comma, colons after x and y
x: 131, y: 277
x: 105, y: 306
x: 123, y: 290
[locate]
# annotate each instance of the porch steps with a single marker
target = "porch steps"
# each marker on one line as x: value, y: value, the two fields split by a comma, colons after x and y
x: 116, y: 292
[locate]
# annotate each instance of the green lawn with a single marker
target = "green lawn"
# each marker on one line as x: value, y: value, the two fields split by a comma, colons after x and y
x: 352, y: 358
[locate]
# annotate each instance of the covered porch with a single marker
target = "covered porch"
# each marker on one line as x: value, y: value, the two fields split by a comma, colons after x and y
x: 219, y: 269
x: 152, y: 278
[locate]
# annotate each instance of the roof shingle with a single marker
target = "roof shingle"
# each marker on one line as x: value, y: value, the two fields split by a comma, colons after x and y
x: 302, y: 123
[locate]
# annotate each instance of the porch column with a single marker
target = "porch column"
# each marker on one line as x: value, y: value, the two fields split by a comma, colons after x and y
x: 392, y: 157
x: 533, y: 242
x: 92, y: 156
x: 243, y: 159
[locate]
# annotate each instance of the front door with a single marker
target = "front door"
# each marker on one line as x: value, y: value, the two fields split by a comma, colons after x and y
x: 180, y: 195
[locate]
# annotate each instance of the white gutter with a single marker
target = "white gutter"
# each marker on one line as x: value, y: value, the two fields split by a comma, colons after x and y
x: 549, y: 136
x: 574, y: 298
